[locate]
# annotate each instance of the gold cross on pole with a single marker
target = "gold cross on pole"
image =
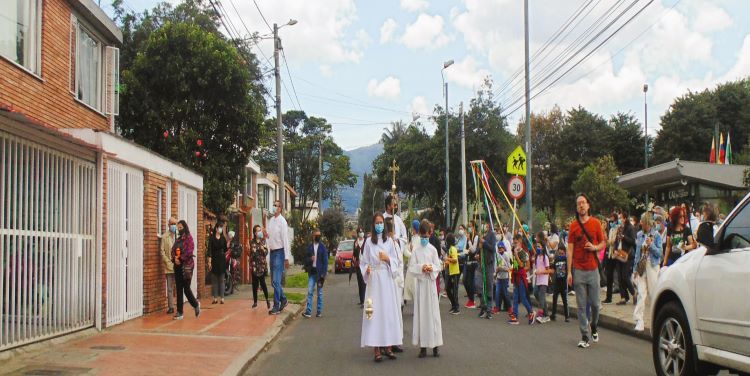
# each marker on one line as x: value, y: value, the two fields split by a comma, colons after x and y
x: 393, y: 169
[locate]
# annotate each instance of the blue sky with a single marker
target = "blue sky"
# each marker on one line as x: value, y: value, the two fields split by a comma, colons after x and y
x: 363, y: 64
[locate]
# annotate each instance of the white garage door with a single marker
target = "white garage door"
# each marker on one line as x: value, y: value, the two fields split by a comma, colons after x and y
x: 187, y: 208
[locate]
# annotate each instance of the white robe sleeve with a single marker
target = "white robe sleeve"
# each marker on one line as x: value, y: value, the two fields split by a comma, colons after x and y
x: 364, y: 260
x: 393, y: 256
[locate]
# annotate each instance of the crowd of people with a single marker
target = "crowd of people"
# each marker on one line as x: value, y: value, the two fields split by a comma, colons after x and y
x: 501, y: 268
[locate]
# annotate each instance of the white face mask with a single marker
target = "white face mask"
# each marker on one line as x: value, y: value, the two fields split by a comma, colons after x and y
x: 461, y: 232
x: 361, y: 234
x: 219, y: 230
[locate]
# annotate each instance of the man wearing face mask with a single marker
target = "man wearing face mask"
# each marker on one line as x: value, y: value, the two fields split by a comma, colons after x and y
x: 281, y: 255
x: 316, y: 266
x: 167, y: 240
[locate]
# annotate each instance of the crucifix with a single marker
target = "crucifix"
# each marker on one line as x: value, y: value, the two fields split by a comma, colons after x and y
x: 393, y: 169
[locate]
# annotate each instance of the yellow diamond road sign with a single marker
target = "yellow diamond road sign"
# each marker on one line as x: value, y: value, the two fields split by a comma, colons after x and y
x: 517, y: 162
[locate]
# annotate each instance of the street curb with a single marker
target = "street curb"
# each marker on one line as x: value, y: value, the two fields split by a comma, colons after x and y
x: 243, y: 362
x: 611, y: 323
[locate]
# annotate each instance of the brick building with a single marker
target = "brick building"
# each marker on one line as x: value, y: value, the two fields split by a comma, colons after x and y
x: 81, y: 209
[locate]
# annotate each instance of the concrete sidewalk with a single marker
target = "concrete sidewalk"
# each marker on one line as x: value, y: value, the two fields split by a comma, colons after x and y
x: 223, y: 340
x: 612, y: 316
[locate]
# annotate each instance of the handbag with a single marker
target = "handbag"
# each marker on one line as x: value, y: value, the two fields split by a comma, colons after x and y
x: 640, y: 268
x: 621, y: 255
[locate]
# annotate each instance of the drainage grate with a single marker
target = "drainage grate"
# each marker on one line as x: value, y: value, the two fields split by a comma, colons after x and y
x: 106, y: 347
x: 53, y: 371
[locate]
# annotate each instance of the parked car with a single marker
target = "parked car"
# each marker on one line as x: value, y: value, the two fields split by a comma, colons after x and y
x: 344, y: 256
x: 701, y: 306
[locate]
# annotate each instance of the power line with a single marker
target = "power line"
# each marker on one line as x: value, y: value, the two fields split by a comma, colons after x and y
x: 262, y: 16
x: 374, y: 107
x: 289, y: 73
x: 585, y: 57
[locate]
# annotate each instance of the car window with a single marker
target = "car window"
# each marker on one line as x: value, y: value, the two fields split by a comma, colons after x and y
x: 346, y: 246
x: 737, y: 232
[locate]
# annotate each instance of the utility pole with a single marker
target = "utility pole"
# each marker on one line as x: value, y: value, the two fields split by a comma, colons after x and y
x: 645, y: 135
x: 279, y: 126
x: 464, y: 207
x: 447, y: 176
x: 320, y: 178
x: 528, y: 115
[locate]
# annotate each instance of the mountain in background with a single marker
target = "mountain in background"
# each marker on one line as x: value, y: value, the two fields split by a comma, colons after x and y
x: 360, y: 161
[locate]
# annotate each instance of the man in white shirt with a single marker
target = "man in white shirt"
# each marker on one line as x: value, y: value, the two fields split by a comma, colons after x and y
x: 281, y: 255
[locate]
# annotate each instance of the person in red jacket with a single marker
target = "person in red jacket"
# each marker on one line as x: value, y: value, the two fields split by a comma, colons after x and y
x: 585, y: 240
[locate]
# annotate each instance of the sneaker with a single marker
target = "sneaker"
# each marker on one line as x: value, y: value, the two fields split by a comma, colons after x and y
x: 622, y: 302
x: 443, y: 295
x: 319, y: 314
x: 513, y: 321
x: 274, y: 311
x: 540, y: 319
x: 595, y: 336
x: 532, y: 317
x: 607, y: 301
x: 571, y: 292
x: 470, y: 304
x: 567, y: 319
x: 640, y: 326
x: 306, y: 315
x: 177, y: 317
x: 495, y: 310
x: 455, y: 312
x: 583, y: 343
x: 198, y: 310
x: 283, y: 304
x: 171, y: 310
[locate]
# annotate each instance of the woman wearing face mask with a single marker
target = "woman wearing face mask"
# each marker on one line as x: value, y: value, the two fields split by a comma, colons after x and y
x: 258, y: 265
x: 679, y: 237
x: 381, y: 320
x: 359, y: 245
x: 471, y: 263
x: 217, y: 248
x: 184, y: 262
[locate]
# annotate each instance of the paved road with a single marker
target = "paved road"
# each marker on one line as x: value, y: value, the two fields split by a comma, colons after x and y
x: 330, y: 345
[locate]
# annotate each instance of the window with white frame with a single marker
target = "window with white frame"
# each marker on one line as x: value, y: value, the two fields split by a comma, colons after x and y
x: 20, y: 30
x: 88, y: 68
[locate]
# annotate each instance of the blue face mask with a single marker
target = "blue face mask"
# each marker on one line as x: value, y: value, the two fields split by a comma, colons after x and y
x: 259, y: 234
x: 379, y: 227
x: 173, y: 229
x: 424, y: 241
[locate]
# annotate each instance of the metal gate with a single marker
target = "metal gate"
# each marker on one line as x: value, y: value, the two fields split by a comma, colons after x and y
x: 187, y: 208
x: 124, y: 243
x: 47, y: 242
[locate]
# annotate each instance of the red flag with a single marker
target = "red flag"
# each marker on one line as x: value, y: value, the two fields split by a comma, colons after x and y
x: 712, y: 158
x: 722, y: 149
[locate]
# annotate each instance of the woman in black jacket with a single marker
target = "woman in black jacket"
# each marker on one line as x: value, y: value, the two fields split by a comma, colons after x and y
x: 359, y: 244
x: 217, y: 262
x: 625, y: 269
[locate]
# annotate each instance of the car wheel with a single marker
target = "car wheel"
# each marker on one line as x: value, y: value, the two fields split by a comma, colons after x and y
x: 672, y: 346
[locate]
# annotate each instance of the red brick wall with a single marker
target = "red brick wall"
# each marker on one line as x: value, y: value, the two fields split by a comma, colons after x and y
x: 154, y: 288
x: 200, y: 245
x: 49, y: 100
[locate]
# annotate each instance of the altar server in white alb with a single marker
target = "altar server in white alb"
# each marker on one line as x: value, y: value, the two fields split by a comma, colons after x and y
x: 425, y: 266
x: 381, y: 319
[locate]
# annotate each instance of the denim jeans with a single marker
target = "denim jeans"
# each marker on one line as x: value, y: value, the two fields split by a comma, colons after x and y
x: 586, y: 286
x: 519, y: 295
x: 501, y: 294
x: 541, y: 297
x: 277, y: 269
x: 312, y: 285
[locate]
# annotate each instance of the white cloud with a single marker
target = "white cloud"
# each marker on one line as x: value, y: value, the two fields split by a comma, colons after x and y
x: 419, y: 106
x: 710, y: 17
x: 741, y: 68
x: 426, y: 32
x: 466, y: 73
x: 672, y: 43
x: 323, y: 34
x: 387, y: 30
x: 389, y: 88
x: 414, y: 5
x: 326, y: 71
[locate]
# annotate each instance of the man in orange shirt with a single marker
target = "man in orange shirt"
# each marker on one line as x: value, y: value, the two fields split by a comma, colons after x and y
x: 585, y: 240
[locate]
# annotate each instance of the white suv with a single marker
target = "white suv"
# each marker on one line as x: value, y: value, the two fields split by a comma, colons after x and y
x: 701, y: 306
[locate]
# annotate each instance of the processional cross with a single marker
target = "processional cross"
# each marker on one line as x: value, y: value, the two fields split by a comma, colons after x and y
x: 393, y: 169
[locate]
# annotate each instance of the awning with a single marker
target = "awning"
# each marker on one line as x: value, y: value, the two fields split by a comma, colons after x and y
x: 677, y: 171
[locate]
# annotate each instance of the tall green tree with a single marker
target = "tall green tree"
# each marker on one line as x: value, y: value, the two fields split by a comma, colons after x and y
x: 182, y: 78
x: 599, y: 181
x: 626, y: 142
x: 305, y: 138
x: 688, y: 125
x: 371, y: 201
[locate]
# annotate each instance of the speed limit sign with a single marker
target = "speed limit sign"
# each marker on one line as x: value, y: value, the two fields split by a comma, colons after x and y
x: 516, y: 188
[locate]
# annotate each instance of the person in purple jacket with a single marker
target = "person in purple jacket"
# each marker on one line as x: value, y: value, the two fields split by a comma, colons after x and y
x: 184, y: 262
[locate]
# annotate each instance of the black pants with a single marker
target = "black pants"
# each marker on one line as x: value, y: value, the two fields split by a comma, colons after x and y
x: 625, y: 269
x: 451, y: 288
x: 259, y: 281
x: 469, y: 279
x: 610, y: 266
x: 560, y: 289
x: 183, y: 287
x: 361, y: 286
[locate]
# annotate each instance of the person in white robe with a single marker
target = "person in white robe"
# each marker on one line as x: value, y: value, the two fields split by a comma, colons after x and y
x: 381, y: 320
x: 425, y: 266
x: 408, y: 278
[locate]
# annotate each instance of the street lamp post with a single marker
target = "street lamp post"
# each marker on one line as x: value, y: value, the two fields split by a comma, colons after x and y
x: 279, y: 127
x: 447, y: 178
x: 645, y: 135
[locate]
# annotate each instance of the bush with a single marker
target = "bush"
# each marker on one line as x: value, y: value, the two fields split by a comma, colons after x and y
x: 332, y: 226
x: 302, y: 236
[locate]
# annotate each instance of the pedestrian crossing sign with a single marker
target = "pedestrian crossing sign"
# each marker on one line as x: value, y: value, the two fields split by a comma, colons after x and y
x: 517, y: 162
